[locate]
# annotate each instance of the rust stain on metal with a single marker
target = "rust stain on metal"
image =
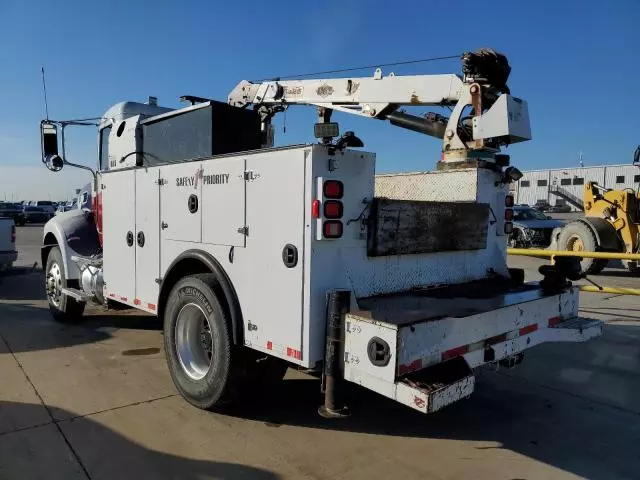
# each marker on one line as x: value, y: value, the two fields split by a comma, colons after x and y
x: 415, y: 99
x: 402, y: 227
x: 324, y: 90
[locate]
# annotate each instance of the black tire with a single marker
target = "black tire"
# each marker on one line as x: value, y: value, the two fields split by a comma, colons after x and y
x: 218, y: 385
x: 632, y: 267
x: 576, y: 233
x: 63, y: 308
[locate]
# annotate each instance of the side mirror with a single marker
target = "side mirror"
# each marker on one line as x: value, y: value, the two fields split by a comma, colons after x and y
x: 49, y: 146
x: 636, y: 156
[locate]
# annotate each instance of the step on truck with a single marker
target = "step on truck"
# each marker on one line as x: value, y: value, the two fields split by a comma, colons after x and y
x: 259, y: 257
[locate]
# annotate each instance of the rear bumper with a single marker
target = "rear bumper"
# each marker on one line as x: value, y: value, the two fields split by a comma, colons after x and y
x: 7, y: 257
x: 428, y: 364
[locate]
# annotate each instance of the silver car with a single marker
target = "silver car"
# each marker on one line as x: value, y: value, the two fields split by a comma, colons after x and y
x: 531, y: 228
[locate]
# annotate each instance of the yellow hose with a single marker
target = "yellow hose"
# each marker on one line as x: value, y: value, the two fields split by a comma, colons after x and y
x: 614, y: 290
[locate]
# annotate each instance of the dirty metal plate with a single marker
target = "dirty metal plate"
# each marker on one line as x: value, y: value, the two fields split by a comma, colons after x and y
x: 402, y: 227
x: 436, y: 387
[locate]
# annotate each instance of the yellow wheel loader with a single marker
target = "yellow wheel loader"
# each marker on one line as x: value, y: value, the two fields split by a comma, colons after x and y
x: 611, y: 223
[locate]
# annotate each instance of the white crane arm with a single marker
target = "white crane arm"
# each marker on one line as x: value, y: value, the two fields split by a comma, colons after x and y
x: 367, y: 96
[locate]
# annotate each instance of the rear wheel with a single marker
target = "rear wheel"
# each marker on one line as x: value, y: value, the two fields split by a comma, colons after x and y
x: 205, y: 366
x: 197, y: 342
x: 578, y: 237
x: 63, y: 308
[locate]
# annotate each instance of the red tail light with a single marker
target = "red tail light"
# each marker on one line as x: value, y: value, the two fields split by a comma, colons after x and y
x: 508, y: 201
x: 332, y: 229
x: 508, y: 215
x: 333, y: 209
x: 13, y: 234
x: 315, y: 209
x: 97, y: 214
x: 333, y: 189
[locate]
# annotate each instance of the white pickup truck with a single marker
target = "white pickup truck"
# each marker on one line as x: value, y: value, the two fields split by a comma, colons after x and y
x: 8, y: 253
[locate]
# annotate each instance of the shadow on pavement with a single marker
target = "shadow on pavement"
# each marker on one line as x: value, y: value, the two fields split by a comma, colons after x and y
x: 22, y: 283
x: 27, y: 328
x: 550, y: 419
x: 103, y: 452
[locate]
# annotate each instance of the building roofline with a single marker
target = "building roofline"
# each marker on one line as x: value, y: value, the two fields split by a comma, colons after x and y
x: 579, y: 168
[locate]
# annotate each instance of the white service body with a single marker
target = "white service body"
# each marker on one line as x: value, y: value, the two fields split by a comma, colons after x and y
x: 423, y: 255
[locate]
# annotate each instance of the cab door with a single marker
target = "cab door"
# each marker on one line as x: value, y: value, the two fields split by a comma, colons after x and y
x: 147, y: 238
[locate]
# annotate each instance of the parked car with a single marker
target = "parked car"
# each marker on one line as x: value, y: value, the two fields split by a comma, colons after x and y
x: 560, y: 209
x: 542, y: 206
x: 36, y: 215
x: 64, y: 207
x: 46, y: 205
x: 531, y: 228
x: 12, y: 210
x: 8, y: 253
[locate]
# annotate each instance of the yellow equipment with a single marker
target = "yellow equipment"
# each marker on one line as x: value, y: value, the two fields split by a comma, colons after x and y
x: 611, y: 224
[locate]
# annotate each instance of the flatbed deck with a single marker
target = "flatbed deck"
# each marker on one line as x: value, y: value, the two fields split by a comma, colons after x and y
x: 456, y: 301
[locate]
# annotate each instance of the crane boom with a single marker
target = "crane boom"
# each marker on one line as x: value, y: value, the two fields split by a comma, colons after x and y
x: 485, y: 116
x: 369, y: 96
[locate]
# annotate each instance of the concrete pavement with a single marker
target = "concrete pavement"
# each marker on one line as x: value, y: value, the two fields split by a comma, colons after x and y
x: 95, y: 401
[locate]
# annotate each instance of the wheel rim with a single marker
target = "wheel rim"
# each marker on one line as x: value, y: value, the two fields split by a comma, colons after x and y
x: 575, y: 244
x: 54, y: 284
x: 194, y: 343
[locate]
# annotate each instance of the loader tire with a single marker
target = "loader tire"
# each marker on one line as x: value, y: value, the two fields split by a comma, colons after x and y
x: 63, y: 308
x: 198, y: 343
x: 578, y: 237
x: 632, y: 266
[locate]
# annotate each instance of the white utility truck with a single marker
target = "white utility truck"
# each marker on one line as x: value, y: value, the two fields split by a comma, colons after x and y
x: 254, y: 256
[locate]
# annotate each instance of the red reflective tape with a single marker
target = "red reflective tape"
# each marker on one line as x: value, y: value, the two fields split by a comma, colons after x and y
x: 455, y: 352
x: 411, y: 367
x: 528, y: 329
x: 292, y: 352
x: 136, y: 301
x: 553, y: 321
x: 151, y: 306
x: 496, y: 339
x: 124, y: 299
x: 269, y: 345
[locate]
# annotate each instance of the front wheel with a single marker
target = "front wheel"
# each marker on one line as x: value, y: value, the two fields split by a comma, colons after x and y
x: 578, y: 237
x: 63, y: 308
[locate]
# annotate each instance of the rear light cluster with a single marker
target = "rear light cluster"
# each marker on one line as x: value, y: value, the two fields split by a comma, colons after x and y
x: 330, y: 209
x: 508, y: 214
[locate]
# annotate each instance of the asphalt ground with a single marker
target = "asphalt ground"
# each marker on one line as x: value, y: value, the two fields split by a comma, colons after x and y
x: 95, y: 400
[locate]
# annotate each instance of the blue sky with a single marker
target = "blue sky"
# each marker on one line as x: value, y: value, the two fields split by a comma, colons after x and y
x: 575, y: 62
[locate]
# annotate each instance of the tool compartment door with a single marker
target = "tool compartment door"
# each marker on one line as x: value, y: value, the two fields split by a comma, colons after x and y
x: 147, y: 238
x: 119, y: 225
x: 181, y: 201
x: 223, y: 201
x: 275, y: 217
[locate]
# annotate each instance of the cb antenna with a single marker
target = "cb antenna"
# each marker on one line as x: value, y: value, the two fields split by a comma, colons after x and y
x: 44, y: 89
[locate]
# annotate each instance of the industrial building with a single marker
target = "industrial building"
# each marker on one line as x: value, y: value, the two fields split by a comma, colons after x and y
x: 565, y: 186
